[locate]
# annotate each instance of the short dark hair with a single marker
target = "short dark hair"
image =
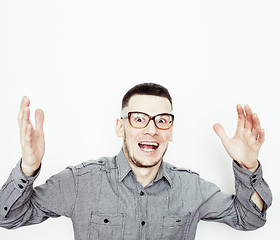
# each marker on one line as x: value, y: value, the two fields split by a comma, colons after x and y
x: 146, y: 89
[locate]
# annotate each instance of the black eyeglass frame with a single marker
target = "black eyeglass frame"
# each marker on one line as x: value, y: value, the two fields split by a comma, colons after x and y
x: 150, y: 118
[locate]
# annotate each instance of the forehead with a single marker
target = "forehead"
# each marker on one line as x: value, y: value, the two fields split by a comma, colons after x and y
x: 151, y: 105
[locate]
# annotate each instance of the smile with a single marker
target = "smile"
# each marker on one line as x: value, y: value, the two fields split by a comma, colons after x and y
x: 148, y: 146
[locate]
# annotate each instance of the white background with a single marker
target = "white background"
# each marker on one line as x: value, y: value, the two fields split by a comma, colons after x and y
x: 76, y: 59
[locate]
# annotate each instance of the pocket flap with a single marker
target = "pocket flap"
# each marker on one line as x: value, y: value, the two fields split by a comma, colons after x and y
x: 108, y: 219
x: 176, y: 220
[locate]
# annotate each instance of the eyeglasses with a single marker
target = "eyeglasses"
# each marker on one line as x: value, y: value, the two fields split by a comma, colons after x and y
x: 140, y: 120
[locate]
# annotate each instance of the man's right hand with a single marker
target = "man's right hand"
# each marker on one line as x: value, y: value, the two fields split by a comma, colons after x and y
x: 32, y: 140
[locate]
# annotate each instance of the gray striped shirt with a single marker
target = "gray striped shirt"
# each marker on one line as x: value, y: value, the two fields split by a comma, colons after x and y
x: 105, y: 201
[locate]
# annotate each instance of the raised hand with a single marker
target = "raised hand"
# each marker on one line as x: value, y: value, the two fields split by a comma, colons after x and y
x: 32, y: 140
x: 245, y: 145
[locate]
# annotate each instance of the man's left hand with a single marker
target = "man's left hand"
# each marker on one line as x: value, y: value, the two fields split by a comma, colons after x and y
x: 245, y: 145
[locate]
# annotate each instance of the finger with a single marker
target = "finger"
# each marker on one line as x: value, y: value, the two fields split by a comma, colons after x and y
x: 25, y: 121
x: 29, y: 131
x: 24, y: 103
x: 220, y: 131
x: 241, y: 117
x: 249, y: 119
x: 28, y: 136
x: 20, y: 114
x: 256, y: 125
x: 261, y: 137
x: 39, y: 119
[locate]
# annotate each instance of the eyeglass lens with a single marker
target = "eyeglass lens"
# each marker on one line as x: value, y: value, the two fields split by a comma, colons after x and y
x: 141, y: 120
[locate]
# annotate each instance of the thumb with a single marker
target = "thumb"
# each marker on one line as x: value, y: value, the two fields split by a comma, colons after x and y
x: 39, y: 119
x: 219, y: 130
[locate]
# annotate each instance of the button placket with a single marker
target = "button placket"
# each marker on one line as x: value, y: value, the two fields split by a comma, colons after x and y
x: 143, y: 209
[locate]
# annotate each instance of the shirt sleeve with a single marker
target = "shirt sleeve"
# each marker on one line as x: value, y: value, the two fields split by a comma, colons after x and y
x: 21, y: 204
x: 237, y: 211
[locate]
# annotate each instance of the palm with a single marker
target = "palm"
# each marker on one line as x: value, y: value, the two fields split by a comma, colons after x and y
x: 245, y: 145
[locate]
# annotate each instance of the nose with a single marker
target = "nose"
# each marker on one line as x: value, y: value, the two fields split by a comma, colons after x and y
x: 151, y: 129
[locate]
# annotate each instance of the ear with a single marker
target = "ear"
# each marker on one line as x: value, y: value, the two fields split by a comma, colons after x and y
x: 171, y: 134
x: 120, y: 128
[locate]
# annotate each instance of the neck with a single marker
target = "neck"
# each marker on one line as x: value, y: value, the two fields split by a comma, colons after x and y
x: 145, y: 175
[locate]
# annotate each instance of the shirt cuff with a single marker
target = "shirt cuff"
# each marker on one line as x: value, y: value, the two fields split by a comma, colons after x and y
x: 247, y: 182
x: 20, y: 180
x: 16, y: 190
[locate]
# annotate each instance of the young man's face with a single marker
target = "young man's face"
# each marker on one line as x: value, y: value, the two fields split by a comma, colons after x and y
x: 145, y: 147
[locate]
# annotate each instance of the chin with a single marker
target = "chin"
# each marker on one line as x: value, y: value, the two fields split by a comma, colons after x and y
x: 146, y: 159
x: 144, y: 164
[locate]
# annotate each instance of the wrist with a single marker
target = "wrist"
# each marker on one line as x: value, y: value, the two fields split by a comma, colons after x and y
x: 28, y: 170
x: 252, y: 168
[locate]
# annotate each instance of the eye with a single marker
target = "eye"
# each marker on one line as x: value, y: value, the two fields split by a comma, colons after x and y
x: 139, y: 119
x: 161, y: 121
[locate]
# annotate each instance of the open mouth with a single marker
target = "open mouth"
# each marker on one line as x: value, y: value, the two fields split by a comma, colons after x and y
x: 148, y: 146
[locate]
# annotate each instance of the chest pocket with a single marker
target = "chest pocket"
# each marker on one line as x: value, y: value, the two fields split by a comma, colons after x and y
x: 106, y: 226
x: 175, y: 227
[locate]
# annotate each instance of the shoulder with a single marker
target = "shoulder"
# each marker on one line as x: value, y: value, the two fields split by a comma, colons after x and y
x: 90, y: 166
x: 179, y: 170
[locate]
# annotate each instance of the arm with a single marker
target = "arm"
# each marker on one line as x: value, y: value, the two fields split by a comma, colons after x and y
x: 21, y: 204
x: 245, y: 145
x: 17, y: 191
x: 237, y: 211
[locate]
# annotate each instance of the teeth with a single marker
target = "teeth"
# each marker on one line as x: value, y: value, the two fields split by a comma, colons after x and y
x: 150, y: 143
x: 148, y: 150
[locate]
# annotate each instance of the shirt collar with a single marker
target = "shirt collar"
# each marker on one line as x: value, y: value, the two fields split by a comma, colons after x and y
x: 124, y: 168
x: 163, y: 172
x: 123, y: 165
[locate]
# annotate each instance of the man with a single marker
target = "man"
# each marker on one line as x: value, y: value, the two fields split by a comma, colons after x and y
x: 135, y: 194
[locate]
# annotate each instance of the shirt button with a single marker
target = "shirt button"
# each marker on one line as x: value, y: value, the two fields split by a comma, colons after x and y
x: 5, y: 208
x: 20, y: 186
x: 142, y: 193
x: 143, y: 223
x: 24, y: 181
